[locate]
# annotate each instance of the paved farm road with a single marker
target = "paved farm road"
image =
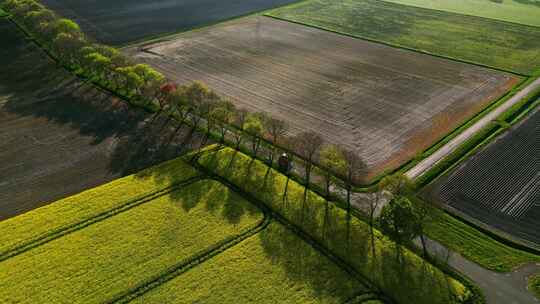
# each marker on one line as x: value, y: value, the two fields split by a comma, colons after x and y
x: 498, y: 288
x: 451, y: 146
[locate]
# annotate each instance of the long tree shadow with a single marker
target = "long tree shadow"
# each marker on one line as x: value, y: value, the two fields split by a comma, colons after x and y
x: 61, y: 135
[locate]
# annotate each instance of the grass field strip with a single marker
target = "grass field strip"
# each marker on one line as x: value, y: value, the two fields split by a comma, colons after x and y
x: 62, y: 231
x: 191, y: 262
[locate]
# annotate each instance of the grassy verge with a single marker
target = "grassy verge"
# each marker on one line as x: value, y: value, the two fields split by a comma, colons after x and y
x: 491, y: 43
x: 406, y: 279
x: 475, y: 245
x: 274, y: 266
x: 534, y: 285
x: 101, y: 261
x: 481, y: 138
x: 3, y: 13
x: 62, y: 214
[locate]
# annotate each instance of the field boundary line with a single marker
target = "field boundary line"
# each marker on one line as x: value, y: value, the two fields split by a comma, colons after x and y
x: 298, y: 231
x: 361, y: 297
x: 437, y: 157
x: 63, y: 231
x: 495, y: 233
x: 165, y: 36
x: 450, y: 271
x: 192, y: 261
x: 399, y: 46
x: 358, y: 189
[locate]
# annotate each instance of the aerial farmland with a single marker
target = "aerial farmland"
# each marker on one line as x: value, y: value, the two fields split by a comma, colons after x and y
x: 120, y: 22
x: 511, y: 161
x: 270, y: 151
x: 385, y: 103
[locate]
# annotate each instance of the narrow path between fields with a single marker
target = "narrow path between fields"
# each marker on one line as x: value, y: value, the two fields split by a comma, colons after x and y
x: 452, y: 145
x: 498, y: 288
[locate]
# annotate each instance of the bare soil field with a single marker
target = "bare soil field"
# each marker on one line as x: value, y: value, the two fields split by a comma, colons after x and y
x: 500, y: 185
x: 59, y: 136
x: 121, y: 21
x: 387, y: 104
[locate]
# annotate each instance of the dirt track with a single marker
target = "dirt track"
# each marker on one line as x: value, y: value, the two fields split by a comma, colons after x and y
x: 386, y: 103
x: 59, y: 136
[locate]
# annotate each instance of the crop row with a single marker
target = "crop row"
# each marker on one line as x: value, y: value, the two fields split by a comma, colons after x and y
x: 72, y: 213
x: 501, y: 184
x: 125, y: 251
x: 273, y: 266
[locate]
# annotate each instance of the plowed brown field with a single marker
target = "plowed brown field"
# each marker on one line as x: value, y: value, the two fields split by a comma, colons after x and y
x: 388, y: 104
x: 59, y: 136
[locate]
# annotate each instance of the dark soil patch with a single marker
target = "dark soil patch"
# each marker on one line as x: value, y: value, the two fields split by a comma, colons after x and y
x: 500, y: 185
x: 121, y: 21
x: 59, y: 136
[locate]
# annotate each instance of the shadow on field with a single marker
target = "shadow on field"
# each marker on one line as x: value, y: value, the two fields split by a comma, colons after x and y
x: 64, y: 100
x: 528, y: 2
x: 60, y: 136
x: 391, y: 267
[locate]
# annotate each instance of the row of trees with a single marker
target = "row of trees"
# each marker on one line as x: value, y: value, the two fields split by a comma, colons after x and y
x: 102, y: 64
x: 194, y: 102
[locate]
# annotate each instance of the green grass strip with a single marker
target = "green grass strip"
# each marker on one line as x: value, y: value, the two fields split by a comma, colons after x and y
x: 534, y: 285
x: 476, y: 245
x: 511, y: 116
x: 273, y: 266
x: 104, y: 260
x: 3, y: 13
x: 65, y: 214
x: 486, y: 42
x: 412, y: 280
x: 517, y: 11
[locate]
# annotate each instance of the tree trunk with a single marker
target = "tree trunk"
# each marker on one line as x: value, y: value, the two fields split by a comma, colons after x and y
x: 424, y: 246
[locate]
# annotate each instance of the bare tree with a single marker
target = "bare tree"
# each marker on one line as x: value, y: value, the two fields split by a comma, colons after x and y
x: 277, y: 129
x: 355, y: 168
x: 308, y: 145
x: 254, y: 126
x: 239, y: 122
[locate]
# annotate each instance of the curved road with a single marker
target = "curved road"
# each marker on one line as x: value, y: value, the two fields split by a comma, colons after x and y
x: 452, y: 145
x: 498, y: 288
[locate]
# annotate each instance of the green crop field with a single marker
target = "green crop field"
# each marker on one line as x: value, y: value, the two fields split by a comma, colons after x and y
x: 507, y: 46
x: 120, y: 253
x: 477, y: 246
x: 519, y: 11
x: 409, y: 280
x: 273, y: 266
x: 69, y: 212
